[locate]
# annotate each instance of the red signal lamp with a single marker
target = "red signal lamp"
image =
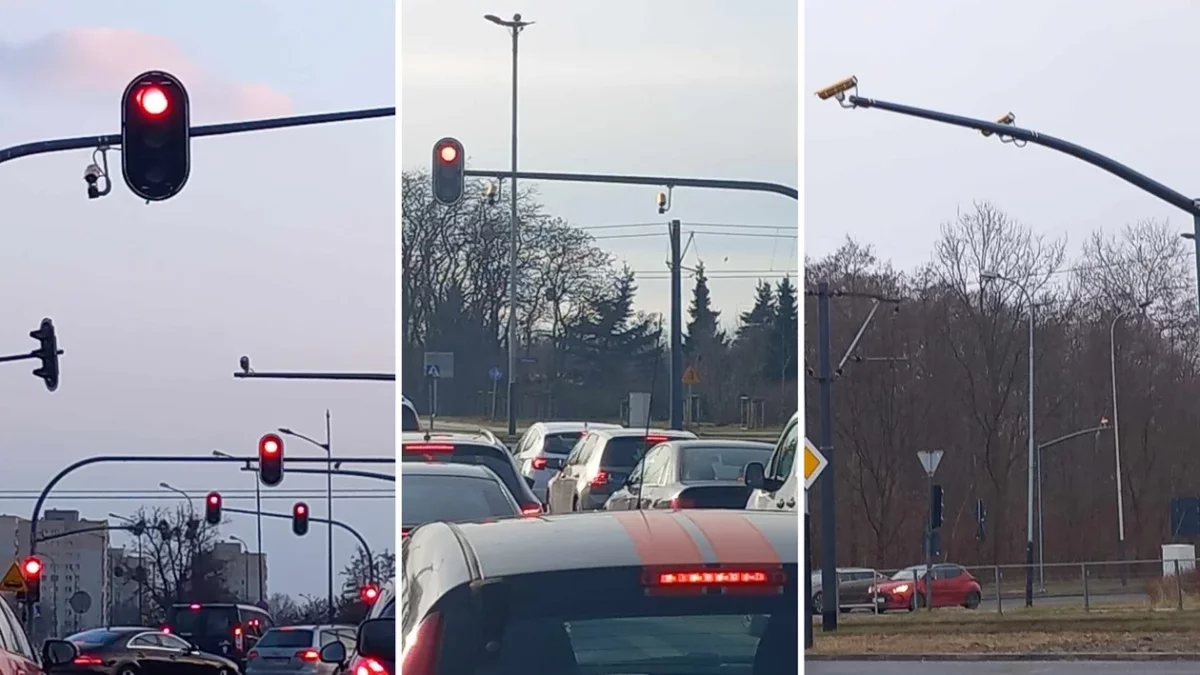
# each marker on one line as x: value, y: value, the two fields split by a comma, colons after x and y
x: 152, y: 100
x: 369, y: 594
x: 448, y: 153
x: 270, y: 445
x: 301, y: 509
x: 31, y: 568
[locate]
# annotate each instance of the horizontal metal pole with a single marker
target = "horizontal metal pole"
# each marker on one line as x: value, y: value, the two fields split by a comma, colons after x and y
x: 664, y: 181
x: 373, y: 377
x: 338, y: 472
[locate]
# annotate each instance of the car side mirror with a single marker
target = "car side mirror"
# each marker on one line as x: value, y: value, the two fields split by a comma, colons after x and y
x: 755, y: 476
x: 58, y: 653
x: 334, y: 652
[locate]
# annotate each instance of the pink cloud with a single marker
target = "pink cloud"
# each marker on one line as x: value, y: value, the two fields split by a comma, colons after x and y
x: 96, y: 62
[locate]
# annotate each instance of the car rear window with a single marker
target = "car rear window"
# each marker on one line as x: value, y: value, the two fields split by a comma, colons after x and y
x: 93, y: 638
x: 625, y: 451
x: 205, y: 621
x: 699, y: 464
x: 296, y: 638
x: 496, y: 459
x: 426, y: 499
x: 561, y: 443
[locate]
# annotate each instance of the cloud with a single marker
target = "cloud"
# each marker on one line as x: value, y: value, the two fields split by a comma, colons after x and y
x: 93, y: 62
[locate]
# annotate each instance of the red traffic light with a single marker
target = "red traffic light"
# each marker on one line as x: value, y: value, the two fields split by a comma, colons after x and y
x: 369, y: 594
x: 270, y: 444
x: 448, y: 153
x: 31, y: 568
x: 152, y: 100
x: 212, y: 508
x: 301, y: 509
x: 214, y: 499
x: 300, y: 519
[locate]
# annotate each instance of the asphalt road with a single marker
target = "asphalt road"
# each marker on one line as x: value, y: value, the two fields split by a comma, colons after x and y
x: 998, y: 668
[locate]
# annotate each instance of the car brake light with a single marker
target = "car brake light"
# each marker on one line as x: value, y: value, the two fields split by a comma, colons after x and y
x: 428, y: 447
x: 421, y: 655
x: 194, y: 607
x: 88, y: 660
x: 166, y: 629
x: 369, y: 667
x: 538, y: 463
x: 310, y: 655
x: 716, y: 577
x: 600, y: 479
x: 531, y: 510
x: 683, y: 503
x: 656, y: 439
x: 252, y: 655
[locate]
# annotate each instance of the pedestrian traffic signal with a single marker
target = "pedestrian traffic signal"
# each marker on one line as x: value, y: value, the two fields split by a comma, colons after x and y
x: 449, y: 167
x: 47, y: 352
x: 212, y: 508
x: 31, y: 571
x: 300, y: 519
x: 369, y: 594
x: 270, y: 460
x: 155, y: 136
x: 936, y: 504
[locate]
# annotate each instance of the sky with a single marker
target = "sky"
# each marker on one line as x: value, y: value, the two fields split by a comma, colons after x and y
x: 280, y: 247
x: 1104, y: 74
x: 675, y: 87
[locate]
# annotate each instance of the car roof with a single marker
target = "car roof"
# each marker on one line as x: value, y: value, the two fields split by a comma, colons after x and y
x: 602, y: 539
x: 569, y: 427
x: 700, y: 443
x: 448, y: 469
x: 625, y: 432
x: 310, y: 626
x: 481, y: 437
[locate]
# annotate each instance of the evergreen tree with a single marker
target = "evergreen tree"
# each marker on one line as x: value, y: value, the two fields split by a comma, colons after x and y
x: 761, y: 317
x: 704, y: 328
x: 783, y: 350
x: 611, y: 340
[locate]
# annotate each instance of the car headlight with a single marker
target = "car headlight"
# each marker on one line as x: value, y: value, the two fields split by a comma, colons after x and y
x: 902, y: 588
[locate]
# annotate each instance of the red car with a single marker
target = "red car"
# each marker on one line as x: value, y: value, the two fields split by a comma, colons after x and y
x: 953, y: 586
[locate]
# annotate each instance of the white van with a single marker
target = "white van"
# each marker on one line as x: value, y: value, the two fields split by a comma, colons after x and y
x: 777, y: 486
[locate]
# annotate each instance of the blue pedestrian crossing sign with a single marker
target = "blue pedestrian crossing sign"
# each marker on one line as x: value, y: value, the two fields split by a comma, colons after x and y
x: 495, y: 374
x: 432, y: 370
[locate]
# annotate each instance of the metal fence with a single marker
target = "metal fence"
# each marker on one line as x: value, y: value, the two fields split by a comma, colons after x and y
x: 1153, y: 585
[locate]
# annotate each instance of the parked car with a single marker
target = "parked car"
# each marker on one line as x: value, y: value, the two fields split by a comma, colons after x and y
x: 953, y: 586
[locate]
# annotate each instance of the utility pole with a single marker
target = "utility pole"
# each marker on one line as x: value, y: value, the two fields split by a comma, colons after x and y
x: 829, y: 579
x: 676, y: 325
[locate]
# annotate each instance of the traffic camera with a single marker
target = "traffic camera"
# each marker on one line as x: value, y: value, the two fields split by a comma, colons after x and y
x: 212, y: 508
x: 155, y: 136
x: 449, y: 171
x: 300, y: 519
x: 31, y: 571
x: 838, y: 88
x: 270, y: 460
x: 47, y: 352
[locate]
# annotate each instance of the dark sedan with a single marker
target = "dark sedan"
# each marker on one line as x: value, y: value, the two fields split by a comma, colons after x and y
x: 690, y: 474
x: 452, y: 493
x: 136, y: 651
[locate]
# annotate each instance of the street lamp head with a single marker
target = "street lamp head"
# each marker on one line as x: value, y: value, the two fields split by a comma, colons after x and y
x: 164, y: 485
x: 285, y: 431
x: 1187, y: 235
x: 494, y: 19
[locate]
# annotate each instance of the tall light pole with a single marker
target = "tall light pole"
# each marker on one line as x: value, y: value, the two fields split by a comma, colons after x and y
x: 327, y: 446
x: 191, y: 505
x: 257, y: 523
x: 515, y: 26
x: 246, y: 561
x: 1112, y: 343
x: 994, y: 276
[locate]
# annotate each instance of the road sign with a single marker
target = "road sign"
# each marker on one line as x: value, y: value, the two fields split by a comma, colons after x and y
x: 13, y: 581
x: 444, y: 362
x: 691, y: 376
x: 495, y: 373
x: 432, y: 370
x: 80, y: 602
x: 814, y: 463
x: 930, y: 460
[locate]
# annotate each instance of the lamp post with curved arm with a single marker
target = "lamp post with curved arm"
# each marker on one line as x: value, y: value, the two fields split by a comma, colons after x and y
x: 994, y: 276
x: 1112, y: 344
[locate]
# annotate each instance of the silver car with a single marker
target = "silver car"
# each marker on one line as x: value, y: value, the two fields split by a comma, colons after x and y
x: 296, y: 650
x: 544, y: 447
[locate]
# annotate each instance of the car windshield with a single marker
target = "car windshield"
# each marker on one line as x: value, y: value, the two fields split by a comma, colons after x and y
x: 426, y: 499
x: 560, y: 443
x: 907, y: 573
x: 727, y: 464
x: 292, y: 638
x: 203, y: 621
x: 93, y: 638
x: 626, y: 630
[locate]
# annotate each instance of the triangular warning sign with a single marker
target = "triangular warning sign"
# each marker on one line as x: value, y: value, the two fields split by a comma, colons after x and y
x: 13, y: 580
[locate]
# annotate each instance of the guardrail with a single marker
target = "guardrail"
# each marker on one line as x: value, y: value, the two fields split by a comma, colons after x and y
x: 1152, y: 584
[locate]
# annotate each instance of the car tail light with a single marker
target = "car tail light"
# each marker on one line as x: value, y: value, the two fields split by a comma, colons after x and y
x: 421, y: 655
x: 428, y: 447
x: 531, y: 510
x: 716, y: 577
x: 656, y: 439
x: 538, y: 463
x: 88, y: 660
x: 683, y: 503
x: 165, y: 629
x: 309, y: 655
x: 195, y: 607
x: 252, y: 655
x: 366, y: 666
x: 601, y: 479
x: 239, y: 639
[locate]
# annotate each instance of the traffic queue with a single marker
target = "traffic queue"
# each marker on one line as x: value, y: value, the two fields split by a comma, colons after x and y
x: 597, y: 548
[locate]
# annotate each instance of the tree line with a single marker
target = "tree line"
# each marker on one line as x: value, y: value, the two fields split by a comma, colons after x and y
x: 582, y: 345
x: 962, y: 388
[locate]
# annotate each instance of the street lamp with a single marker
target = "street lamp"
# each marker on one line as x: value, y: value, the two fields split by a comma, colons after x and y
x: 191, y: 505
x: 257, y: 518
x: 1112, y: 343
x: 139, y: 577
x: 515, y: 26
x: 246, y: 559
x: 327, y: 446
x: 985, y: 277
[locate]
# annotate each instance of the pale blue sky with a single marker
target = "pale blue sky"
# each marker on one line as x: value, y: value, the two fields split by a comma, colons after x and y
x: 1105, y: 74
x: 281, y: 246
x: 672, y: 87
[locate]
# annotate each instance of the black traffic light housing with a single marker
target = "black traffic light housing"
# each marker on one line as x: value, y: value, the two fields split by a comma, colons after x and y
x: 47, y: 352
x: 31, y: 572
x: 300, y: 519
x: 936, y: 507
x: 212, y: 508
x: 270, y: 460
x: 449, y: 171
x: 155, y: 136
